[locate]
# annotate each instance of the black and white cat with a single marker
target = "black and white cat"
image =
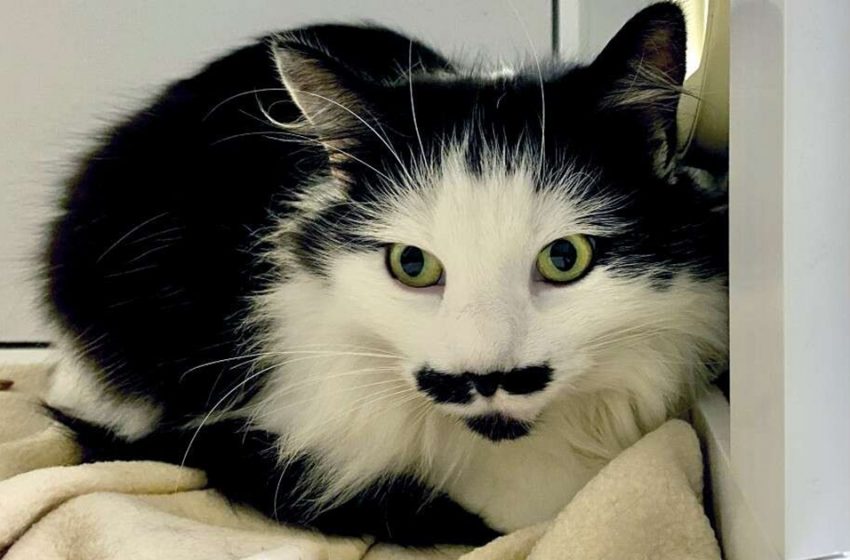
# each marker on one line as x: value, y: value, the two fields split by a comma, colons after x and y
x: 376, y: 293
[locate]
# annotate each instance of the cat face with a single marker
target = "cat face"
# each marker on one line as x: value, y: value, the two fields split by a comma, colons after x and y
x: 505, y: 241
x: 492, y: 342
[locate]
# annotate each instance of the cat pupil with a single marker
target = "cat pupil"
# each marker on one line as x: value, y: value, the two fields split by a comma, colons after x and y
x: 563, y: 255
x: 412, y: 261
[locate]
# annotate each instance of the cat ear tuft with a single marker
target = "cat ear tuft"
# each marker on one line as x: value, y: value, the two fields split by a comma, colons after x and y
x: 646, y: 57
x: 328, y: 96
x: 642, y: 70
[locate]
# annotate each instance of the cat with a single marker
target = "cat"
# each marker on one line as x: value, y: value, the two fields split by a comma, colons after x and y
x: 371, y: 291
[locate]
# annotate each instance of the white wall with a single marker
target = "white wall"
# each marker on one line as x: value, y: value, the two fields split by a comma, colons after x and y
x: 67, y: 67
x: 790, y: 270
x: 816, y: 270
x: 601, y: 20
x: 756, y: 275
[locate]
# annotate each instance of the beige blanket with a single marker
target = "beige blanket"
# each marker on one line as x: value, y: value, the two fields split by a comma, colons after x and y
x: 645, y: 505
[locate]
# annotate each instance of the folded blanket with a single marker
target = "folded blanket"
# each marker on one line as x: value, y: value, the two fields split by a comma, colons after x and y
x: 646, y: 504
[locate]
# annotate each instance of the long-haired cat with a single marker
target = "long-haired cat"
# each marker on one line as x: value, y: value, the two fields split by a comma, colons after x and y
x: 374, y: 292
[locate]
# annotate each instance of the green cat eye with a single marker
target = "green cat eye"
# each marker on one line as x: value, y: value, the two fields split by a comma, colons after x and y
x: 566, y: 259
x: 413, y: 267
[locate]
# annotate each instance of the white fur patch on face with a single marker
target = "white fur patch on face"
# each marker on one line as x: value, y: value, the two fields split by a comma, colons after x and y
x: 624, y: 354
x: 491, y: 315
x: 75, y: 390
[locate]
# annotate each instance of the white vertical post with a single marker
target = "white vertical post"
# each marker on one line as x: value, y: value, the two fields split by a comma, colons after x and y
x: 816, y: 268
x: 568, y: 28
x: 789, y: 265
x: 756, y: 287
x: 790, y: 270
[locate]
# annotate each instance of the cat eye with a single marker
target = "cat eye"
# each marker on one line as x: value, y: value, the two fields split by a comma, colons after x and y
x: 413, y: 267
x: 566, y: 259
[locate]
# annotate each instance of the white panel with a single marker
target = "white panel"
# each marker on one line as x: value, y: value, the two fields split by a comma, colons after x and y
x: 817, y: 277
x: 740, y: 534
x: 569, y: 29
x: 790, y: 270
x: 756, y: 286
x: 69, y: 67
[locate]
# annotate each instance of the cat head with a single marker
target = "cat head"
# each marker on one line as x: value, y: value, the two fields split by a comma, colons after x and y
x: 505, y: 239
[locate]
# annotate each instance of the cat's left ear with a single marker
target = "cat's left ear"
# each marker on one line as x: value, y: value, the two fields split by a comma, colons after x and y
x: 641, y: 72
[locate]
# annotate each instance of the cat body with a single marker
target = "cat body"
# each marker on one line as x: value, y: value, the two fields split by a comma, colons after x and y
x: 373, y: 292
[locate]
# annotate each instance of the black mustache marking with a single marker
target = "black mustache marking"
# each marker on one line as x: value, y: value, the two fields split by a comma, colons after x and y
x: 457, y: 388
x: 444, y: 387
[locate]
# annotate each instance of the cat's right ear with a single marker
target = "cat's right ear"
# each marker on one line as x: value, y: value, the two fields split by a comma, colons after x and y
x: 641, y: 74
x: 332, y: 100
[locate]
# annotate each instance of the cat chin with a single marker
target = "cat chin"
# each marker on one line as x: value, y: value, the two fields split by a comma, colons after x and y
x: 497, y: 427
x: 496, y: 423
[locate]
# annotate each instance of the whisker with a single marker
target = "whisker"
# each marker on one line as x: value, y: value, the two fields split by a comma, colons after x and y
x: 156, y: 235
x: 312, y: 398
x: 337, y: 150
x: 368, y: 400
x: 286, y: 389
x: 166, y: 245
x: 412, y: 104
x: 253, y: 375
x: 318, y: 353
x: 128, y: 234
x: 215, y: 407
x: 540, y: 81
x: 238, y: 95
x: 381, y: 138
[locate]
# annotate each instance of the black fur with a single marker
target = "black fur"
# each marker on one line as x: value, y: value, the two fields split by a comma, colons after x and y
x: 456, y: 388
x: 496, y: 427
x: 153, y: 264
x: 669, y: 228
x: 243, y: 466
x: 154, y: 258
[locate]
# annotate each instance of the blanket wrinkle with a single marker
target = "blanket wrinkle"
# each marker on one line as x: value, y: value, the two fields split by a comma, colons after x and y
x: 646, y: 504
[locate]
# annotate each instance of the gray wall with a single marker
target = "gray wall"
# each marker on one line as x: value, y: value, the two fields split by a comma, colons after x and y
x: 69, y: 67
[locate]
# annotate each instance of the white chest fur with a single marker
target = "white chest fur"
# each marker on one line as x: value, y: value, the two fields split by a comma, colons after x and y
x: 514, y: 484
x: 511, y: 484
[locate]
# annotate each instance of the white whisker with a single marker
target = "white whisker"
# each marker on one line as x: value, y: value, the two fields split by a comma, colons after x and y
x: 542, y: 156
x: 380, y: 137
x: 412, y: 104
x: 238, y: 95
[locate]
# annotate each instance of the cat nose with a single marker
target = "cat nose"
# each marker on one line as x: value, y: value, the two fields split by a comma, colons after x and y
x: 518, y: 381
x: 457, y: 388
x: 486, y: 384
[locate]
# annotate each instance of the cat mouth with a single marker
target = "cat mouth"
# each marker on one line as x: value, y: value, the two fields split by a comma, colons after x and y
x: 498, y: 427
